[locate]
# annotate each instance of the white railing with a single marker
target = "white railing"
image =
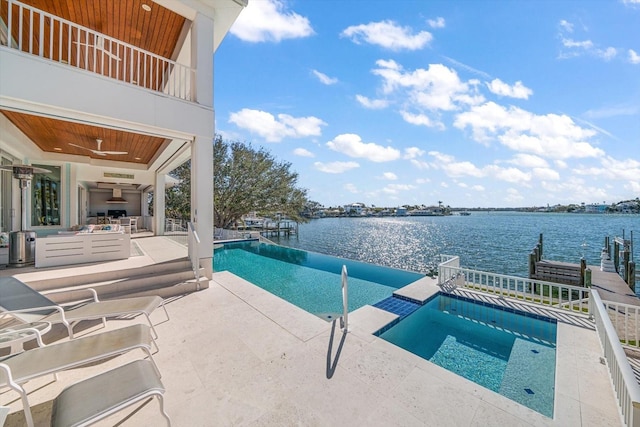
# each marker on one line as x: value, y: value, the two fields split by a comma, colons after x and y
x: 176, y: 230
x: 36, y: 32
x: 192, y: 248
x: 625, y: 318
x: 567, y: 297
x: 345, y: 300
x: 624, y: 381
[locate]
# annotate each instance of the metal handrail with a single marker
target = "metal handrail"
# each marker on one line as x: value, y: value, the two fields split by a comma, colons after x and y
x: 624, y: 381
x: 193, y: 242
x: 345, y: 300
x: 84, y: 48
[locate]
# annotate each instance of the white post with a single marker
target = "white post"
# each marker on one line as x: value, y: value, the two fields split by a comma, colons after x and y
x: 345, y: 300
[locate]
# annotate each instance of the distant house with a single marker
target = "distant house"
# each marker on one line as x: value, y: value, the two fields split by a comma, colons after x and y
x: 401, y: 211
x: 354, y: 209
x: 595, y: 208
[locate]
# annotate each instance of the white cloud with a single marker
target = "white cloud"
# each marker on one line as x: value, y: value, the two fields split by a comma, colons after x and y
x: 351, y: 188
x: 453, y: 168
x: 351, y: 145
x: 420, y: 164
x: 387, y: 34
x: 566, y: 26
x: 274, y: 129
x: 561, y: 164
x: 390, y: 176
x: 423, y: 181
x: 547, y: 174
x: 518, y: 90
x: 372, y: 104
x: 436, y: 23
x: 413, y: 152
x: 529, y: 161
x: 612, y: 169
x: 396, y: 188
x: 426, y: 93
x: 634, y: 58
x: 478, y: 188
x: 513, y: 175
x: 513, y: 195
x: 324, y: 79
x: 420, y: 120
x: 551, y: 135
x: 266, y: 20
x: 303, y: 152
x: 468, y: 68
x: 335, y: 167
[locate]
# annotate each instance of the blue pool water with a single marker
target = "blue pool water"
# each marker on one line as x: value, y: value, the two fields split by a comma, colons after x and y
x: 509, y: 352
x: 310, y: 280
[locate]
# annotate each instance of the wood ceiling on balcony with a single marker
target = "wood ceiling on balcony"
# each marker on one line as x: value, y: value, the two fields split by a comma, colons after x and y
x: 157, y: 31
x: 55, y: 136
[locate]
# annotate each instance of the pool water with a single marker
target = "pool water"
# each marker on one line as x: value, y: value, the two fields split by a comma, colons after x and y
x: 512, y: 353
x: 309, y: 280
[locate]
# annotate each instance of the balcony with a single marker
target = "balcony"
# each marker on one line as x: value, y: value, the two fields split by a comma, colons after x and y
x: 38, y: 32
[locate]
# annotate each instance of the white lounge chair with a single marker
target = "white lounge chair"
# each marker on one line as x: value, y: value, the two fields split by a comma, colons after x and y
x: 51, y: 359
x: 28, y: 305
x: 105, y: 394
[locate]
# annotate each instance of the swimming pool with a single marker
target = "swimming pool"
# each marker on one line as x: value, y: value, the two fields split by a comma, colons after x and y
x: 309, y: 280
x: 510, y: 352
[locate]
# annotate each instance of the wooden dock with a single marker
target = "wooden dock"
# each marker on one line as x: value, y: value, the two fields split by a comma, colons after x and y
x: 612, y: 287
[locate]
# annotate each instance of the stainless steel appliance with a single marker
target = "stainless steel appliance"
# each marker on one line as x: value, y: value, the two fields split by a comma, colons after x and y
x: 22, y: 244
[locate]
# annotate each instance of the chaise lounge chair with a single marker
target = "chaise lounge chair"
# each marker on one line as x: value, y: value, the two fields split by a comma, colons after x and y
x: 51, y: 359
x: 28, y: 305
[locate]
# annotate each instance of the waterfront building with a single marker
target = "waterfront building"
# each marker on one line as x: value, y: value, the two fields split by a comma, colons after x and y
x: 109, y: 97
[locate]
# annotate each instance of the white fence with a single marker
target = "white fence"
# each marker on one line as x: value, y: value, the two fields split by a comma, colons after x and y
x: 625, y: 319
x: 624, y: 381
x: 566, y: 297
x: 36, y: 32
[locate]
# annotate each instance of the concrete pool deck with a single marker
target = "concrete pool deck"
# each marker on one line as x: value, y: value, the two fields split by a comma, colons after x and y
x: 235, y: 354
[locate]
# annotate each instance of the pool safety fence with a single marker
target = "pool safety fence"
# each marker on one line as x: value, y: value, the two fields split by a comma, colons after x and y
x: 624, y: 381
x: 566, y: 297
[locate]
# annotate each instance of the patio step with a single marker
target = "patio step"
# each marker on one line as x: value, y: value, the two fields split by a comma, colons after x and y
x: 165, y: 279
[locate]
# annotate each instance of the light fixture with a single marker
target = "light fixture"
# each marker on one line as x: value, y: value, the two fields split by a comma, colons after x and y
x: 57, y: 148
x: 146, y: 7
x: 138, y: 158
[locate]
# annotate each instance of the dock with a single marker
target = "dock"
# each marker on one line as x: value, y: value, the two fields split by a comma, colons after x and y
x: 612, y: 287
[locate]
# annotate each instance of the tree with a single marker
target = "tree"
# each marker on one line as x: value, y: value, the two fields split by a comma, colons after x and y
x: 178, y: 197
x: 246, y: 179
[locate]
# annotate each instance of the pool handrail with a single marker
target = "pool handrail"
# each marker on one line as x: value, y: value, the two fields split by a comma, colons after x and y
x: 345, y: 300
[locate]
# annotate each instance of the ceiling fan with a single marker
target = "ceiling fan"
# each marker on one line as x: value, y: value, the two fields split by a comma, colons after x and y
x: 98, y: 151
x: 98, y: 44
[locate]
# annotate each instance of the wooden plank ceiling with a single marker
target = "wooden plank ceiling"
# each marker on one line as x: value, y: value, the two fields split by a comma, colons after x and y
x: 157, y: 31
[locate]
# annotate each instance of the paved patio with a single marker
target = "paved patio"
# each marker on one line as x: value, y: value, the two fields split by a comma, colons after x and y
x: 234, y: 354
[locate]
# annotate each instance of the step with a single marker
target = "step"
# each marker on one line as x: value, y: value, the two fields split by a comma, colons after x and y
x: 104, y: 276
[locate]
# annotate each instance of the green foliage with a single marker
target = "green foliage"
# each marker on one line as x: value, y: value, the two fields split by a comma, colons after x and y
x: 246, y: 180
x: 178, y: 197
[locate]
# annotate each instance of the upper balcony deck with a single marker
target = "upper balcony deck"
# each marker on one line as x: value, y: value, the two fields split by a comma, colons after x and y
x: 76, y: 42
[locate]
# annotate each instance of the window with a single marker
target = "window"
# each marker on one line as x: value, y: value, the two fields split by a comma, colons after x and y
x: 45, y: 196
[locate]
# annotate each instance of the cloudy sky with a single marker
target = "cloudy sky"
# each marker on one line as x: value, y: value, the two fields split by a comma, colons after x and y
x: 473, y: 103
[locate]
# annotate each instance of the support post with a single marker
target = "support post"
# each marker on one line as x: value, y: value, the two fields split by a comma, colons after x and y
x: 587, y: 278
x: 540, y: 245
x: 583, y: 267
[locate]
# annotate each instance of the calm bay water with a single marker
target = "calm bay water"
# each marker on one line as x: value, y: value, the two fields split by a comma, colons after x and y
x: 497, y: 242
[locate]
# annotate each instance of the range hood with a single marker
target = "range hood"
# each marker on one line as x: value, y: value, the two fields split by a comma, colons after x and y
x: 116, y: 196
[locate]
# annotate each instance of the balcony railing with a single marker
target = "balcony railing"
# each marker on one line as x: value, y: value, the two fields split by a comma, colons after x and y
x: 39, y: 33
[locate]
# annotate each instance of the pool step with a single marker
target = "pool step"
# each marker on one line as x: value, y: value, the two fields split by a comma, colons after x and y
x: 396, y: 305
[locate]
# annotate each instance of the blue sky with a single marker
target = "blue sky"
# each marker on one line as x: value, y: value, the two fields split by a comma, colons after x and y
x: 472, y: 103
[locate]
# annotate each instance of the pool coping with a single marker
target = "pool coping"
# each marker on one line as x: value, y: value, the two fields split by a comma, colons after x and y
x: 583, y: 386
